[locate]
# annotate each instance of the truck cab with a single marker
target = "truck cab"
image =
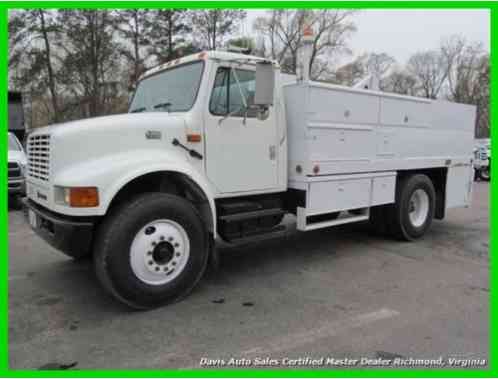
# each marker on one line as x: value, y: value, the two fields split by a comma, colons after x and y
x: 220, y: 146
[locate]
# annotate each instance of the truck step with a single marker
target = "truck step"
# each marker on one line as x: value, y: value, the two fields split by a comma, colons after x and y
x: 306, y: 222
x: 233, y: 207
x: 251, y: 215
x: 261, y: 235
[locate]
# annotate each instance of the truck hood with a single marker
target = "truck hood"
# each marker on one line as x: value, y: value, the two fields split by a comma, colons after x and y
x: 76, y: 142
x: 17, y: 156
x: 119, y: 123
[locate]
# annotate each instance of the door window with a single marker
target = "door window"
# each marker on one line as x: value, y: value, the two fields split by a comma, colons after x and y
x: 227, y: 93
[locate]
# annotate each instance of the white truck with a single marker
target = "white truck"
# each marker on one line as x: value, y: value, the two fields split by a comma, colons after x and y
x: 220, y: 146
x: 482, y: 160
x: 16, y: 170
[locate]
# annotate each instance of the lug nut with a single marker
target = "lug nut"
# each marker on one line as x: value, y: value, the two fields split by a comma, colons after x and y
x: 170, y: 239
x: 157, y: 268
x: 150, y: 262
x: 161, y: 238
x: 176, y: 244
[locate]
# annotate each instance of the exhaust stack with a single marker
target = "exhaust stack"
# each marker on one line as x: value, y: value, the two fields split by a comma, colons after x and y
x: 305, y: 55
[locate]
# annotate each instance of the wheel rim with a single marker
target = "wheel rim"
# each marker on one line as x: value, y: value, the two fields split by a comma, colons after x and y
x: 418, y: 207
x: 485, y: 173
x: 159, y: 252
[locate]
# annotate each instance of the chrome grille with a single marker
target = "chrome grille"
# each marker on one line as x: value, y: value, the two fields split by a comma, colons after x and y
x: 39, y: 156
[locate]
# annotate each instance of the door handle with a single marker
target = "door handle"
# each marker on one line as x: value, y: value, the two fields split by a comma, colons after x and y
x: 273, y: 152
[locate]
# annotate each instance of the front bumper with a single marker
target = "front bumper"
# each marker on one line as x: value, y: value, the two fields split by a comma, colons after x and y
x: 72, y: 237
x: 17, y: 186
x: 481, y: 163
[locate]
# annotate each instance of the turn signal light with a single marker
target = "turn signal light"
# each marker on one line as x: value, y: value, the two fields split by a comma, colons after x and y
x: 194, y: 137
x: 82, y: 197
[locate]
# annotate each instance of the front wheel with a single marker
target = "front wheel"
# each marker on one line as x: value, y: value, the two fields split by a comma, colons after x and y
x: 151, y: 251
x: 15, y: 202
x: 485, y: 174
x: 411, y: 215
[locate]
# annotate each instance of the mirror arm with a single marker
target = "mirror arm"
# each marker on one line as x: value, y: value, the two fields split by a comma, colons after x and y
x: 231, y: 114
x: 244, y: 107
x: 239, y: 87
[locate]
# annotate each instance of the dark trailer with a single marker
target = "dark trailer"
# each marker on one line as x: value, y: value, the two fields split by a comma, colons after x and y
x: 16, y: 115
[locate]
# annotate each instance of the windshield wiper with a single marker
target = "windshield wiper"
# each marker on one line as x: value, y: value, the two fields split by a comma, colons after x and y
x: 163, y: 105
x: 138, y: 110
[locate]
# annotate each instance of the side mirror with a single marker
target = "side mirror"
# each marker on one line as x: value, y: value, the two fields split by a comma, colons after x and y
x: 265, y: 84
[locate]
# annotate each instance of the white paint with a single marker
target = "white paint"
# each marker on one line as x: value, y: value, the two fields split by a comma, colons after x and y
x: 358, y: 138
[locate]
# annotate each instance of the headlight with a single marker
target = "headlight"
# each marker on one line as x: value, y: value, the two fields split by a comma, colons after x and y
x: 78, y: 197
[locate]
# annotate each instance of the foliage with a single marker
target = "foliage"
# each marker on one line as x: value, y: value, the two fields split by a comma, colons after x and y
x: 281, y: 34
x: 31, y: 56
x: 167, y: 33
x: 213, y: 26
x: 80, y: 62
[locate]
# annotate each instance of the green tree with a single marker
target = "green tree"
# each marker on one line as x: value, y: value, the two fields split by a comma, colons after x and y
x: 213, y: 26
x: 31, y: 52
x: 134, y: 26
x: 167, y: 33
x: 92, y: 61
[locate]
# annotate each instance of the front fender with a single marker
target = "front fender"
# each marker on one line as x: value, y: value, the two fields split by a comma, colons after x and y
x: 111, y: 173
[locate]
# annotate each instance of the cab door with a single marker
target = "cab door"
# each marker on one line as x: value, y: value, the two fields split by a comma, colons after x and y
x: 240, y: 148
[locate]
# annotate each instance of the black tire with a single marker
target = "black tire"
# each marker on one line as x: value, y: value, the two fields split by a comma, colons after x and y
x: 377, y: 220
x: 485, y: 174
x: 15, y: 202
x: 399, y: 223
x: 114, y: 239
x: 82, y: 259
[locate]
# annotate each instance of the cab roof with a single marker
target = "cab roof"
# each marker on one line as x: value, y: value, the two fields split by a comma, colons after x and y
x: 204, y: 55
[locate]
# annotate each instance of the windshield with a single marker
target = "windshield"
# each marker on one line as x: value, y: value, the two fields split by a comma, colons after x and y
x: 13, y: 144
x: 172, y: 90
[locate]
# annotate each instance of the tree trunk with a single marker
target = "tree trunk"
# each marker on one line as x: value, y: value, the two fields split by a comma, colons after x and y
x: 137, y: 52
x: 48, y: 62
x: 215, y: 18
x: 170, y: 36
x: 95, y: 69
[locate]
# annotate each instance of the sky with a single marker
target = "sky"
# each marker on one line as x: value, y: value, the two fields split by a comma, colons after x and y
x: 400, y: 33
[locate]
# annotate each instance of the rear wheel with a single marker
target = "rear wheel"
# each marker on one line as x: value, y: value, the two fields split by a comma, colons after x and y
x: 151, y: 251
x: 411, y: 215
